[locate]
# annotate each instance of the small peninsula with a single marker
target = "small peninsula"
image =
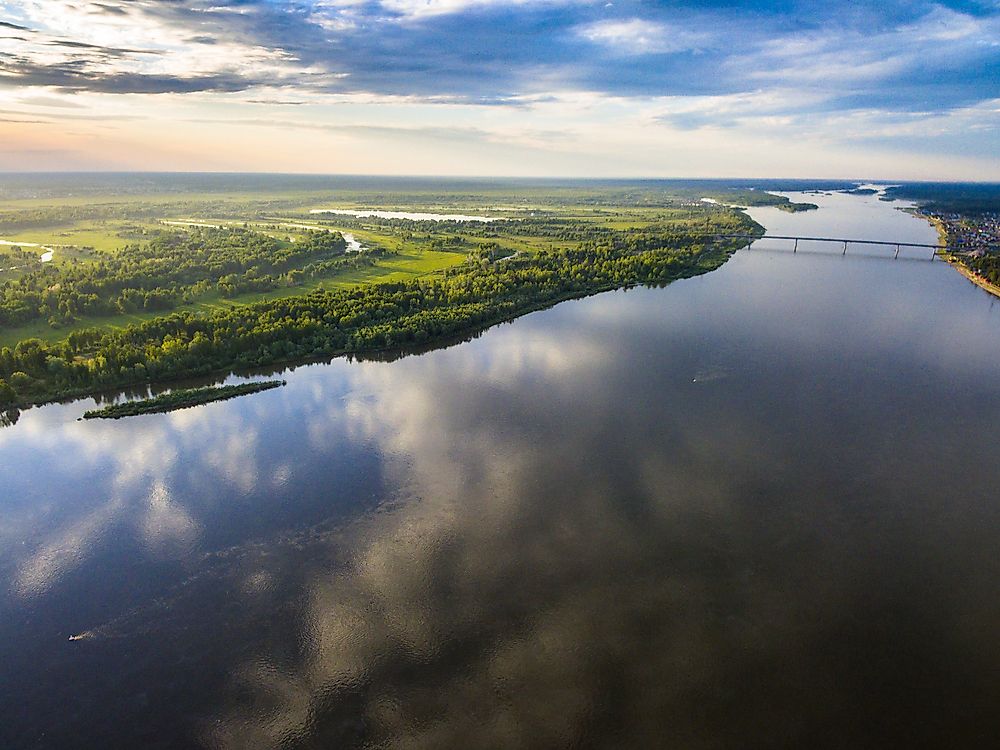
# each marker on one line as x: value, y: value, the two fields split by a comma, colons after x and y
x: 180, y: 399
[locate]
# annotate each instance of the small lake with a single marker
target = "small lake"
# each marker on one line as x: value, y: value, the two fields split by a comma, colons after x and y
x: 45, y: 257
x: 353, y: 244
x: 756, y: 508
x: 16, y: 243
x: 362, y: 213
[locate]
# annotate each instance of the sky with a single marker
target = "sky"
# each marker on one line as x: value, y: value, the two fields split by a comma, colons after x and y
x: 896, y: 89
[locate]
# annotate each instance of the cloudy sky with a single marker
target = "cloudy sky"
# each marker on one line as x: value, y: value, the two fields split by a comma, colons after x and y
x: 902, y: 89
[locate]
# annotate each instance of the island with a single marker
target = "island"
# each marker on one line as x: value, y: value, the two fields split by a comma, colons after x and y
x: 758, y: 198
x: 180, y: 399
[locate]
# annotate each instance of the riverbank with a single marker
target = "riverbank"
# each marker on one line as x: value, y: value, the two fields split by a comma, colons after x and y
x: 955, y: 261
x: 482, y: 298
x: 935, y: 222
x: 975, y: 278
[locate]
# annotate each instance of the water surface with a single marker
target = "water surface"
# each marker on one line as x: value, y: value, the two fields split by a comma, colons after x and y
x: 756, y: 508
x: 45, y: 257
x: 412, y: 216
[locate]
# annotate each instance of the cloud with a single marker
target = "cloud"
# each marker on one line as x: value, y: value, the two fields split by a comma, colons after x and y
x: 506, y: 589
x: 426, y: 8
x: 145, y: 48
x: 50, y: 101
x: 70, y: 77
x: 719, y: 66
x: 167, y: 528
x: 113, y: 9
x: 941, y: 59
x: 489, y: 51
x: 638, y: 37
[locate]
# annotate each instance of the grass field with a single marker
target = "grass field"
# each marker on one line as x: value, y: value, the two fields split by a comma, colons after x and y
x: 85, y: 228
x: 404, y: 266
x: 100, y: 236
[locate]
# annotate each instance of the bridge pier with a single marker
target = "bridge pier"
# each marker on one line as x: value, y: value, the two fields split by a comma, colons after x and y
x: 935, y: 249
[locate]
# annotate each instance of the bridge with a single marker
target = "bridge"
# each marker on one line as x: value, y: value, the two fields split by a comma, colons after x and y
x: 751, y: 238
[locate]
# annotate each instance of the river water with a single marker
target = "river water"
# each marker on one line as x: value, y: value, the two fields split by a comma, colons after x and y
x: 757, y: 508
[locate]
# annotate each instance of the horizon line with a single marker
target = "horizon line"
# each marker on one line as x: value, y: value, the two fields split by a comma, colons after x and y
x: 485, y: 177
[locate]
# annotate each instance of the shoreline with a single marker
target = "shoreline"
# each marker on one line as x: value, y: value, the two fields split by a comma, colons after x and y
x: 975, y: 278
x: 952, y: 260
x: 716, y: 258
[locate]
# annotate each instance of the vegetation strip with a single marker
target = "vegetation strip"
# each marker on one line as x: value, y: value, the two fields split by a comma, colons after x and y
x: 176, y: 302
x: 357, y: 320
x: 180, y: 399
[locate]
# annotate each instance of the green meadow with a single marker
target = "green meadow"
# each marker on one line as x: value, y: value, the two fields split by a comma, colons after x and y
x: 91, y: 229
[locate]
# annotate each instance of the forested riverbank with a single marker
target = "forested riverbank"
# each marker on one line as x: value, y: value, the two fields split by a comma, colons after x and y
x: 332, y: 322
x: 156, y: 291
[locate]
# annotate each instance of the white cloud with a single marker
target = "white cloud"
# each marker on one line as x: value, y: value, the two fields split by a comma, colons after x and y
x: 839, y: 59
x: 138, y: 40
x: 944, y: 24
x: 424, y: 8
x: 640, y: 37
x: 167, y: 527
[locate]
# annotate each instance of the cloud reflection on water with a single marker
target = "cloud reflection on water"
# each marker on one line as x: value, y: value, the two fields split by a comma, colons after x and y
x: 550, y: 535
x: 542, y: 581
x: 513, y: 588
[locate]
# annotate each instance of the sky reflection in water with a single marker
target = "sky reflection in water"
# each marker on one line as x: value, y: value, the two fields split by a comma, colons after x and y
x: 755, y: 508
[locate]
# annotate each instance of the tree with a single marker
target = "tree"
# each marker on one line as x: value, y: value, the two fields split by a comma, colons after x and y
x: 20, y: 381
x: 7, y: 394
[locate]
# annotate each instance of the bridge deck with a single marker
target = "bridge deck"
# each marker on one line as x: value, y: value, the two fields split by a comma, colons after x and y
x: 840, y: 240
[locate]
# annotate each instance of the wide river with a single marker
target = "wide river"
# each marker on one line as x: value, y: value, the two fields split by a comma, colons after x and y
x: 758, y: 508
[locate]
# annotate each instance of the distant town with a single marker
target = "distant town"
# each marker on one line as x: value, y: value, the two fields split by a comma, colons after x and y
x: 977, y: 235
x: 974, y: 242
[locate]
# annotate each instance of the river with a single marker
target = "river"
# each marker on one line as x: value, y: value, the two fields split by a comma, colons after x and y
x: 45, y: 257
x: 756, y: 508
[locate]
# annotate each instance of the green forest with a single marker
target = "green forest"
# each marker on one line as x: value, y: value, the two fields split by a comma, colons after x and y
x: 500, y: 270
x: 170, y: 268
x: 986, y: 265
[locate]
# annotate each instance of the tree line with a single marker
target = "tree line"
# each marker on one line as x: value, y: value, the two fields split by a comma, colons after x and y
x: 328, y: 322
x: 168, y: 270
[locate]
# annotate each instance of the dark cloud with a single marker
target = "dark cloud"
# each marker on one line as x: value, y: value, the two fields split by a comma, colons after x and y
x: 74, y: 76
x: 110, y: 51
x: 111, y: 9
